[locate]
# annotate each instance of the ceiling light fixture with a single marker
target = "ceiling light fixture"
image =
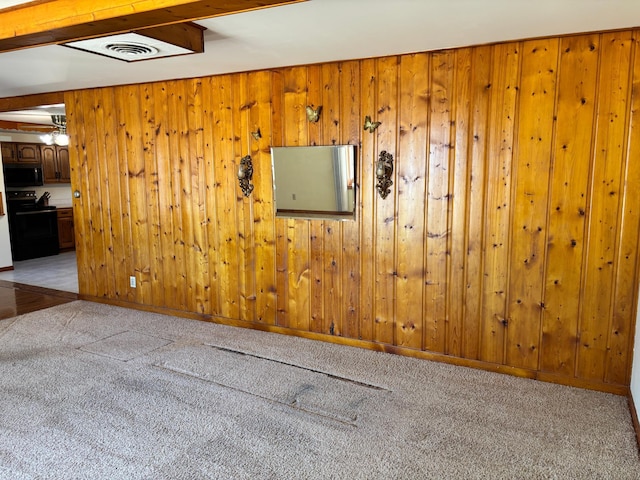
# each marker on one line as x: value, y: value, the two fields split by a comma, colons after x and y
x: 59, y: 136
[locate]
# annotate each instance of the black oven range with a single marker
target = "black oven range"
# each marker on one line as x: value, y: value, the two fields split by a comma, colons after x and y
x: 33, y: 226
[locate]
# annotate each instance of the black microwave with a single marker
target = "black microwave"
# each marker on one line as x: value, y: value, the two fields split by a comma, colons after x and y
x: 23, y: 175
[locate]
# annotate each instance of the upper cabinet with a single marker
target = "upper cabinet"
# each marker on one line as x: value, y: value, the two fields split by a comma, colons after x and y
x: 20, y: 152
x: 28, y: 152
x: 9, y: 154
x: 55, y: 164
x: 54, y: 159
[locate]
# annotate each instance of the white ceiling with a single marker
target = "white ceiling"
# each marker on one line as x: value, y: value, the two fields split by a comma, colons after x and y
x: 318, y: 31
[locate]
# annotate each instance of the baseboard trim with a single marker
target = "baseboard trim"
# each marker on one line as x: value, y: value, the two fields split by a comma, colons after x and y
x: 634, y: 419
x: 622, y: 390
x: 6, y: 269
x: 146, y: 308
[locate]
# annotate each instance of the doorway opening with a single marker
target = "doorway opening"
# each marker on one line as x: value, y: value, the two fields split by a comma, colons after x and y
x: 28, y: 126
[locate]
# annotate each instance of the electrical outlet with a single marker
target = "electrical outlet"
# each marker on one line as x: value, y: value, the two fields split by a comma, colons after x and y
x: 132, y: 281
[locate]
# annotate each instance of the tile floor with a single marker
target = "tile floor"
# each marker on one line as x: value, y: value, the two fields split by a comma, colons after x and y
x: 58, y: 272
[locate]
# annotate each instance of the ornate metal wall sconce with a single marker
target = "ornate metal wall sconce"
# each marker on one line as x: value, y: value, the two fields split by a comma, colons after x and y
x: 384, y: 170
x: 313, y: 115
x: 245, y: 174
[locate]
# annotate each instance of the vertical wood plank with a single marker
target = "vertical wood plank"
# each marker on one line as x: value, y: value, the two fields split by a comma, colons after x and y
x: 183, y: 172
x: 475, y: 235
x: 571, y: 156
x: 226, y: 198
x: 75, y: 111
x: 263, y: 217
x: 502, y: 114
x: 149, y: 126
x: 195, y: 129
x: 438, y: 198
x: 350, y: 128
x: 367, y: 199
x: 175, y: 161
x: 114, y: 202
x: 95, y: 230
x: 297, y: 231
x: 459, y: 201
x: 298, y: 274
x: 332, y: 229
x: 621, y: 333
x: 531, y: 184
x: 243, y: 101
x: 102, y: 220
x: 412, y: 172
x: 282, y: 260
x: 137, y: 191
x: 385, y: 209
x: 165, y: 196
x: 595, y: 318
x: 122, y: 103
x: 316, y: 227
x: 211, y: 181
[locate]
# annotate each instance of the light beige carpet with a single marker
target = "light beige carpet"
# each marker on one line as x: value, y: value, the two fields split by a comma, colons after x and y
x: 99, y: 392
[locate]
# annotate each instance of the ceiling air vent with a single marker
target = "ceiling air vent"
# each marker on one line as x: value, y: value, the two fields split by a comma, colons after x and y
x: 131, y: 49
x: 156, y: 42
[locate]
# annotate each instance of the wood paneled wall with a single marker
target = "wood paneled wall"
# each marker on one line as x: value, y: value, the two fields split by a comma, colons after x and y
x: 509, y: 240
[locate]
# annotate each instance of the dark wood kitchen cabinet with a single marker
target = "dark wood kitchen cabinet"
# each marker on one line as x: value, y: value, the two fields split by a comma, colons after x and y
x: 66, y: 232
x: 13, y: 152
x: 55, y: 164
x: 9, y: 154
x: 28, y: 152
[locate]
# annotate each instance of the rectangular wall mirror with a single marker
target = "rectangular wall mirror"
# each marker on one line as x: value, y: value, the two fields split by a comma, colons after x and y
x: 314, y: 182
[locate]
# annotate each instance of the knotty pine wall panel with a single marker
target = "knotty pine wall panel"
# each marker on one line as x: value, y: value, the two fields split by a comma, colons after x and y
x: 501, y: 119
x: 414, y: 87
x: 262, y: 197
x: 351, y: 127
x: 366, y: 200
x: 531, y: 169
x: 475, y: 136
x: 509, y: 240
x: 328, y: 131
x: 385, y: 222
x: 603, y: 207
x: 459, y: 188
x: 575, y: 111
x: 619, y: 361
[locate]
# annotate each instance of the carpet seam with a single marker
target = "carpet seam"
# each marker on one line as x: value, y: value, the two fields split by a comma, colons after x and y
x: 292, y: 405
x: 330, y: 375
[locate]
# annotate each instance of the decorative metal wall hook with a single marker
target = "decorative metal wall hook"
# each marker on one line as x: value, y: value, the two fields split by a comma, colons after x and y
x: 257, y: 135
x: 313, y: 115
x: 245, y: 174
x: 369, y: 125
x: 384, y: 171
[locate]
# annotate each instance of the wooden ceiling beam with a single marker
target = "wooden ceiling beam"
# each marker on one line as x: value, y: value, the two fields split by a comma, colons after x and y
x: 26, y: 127
x: 9, y: 104
x: 50, y: 22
